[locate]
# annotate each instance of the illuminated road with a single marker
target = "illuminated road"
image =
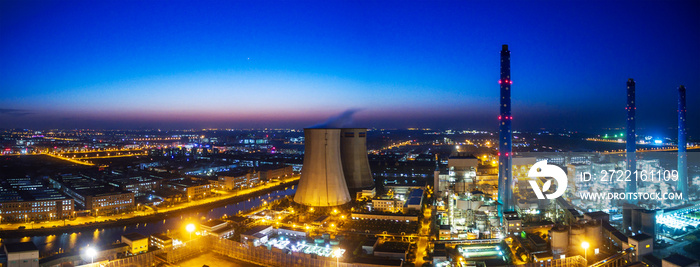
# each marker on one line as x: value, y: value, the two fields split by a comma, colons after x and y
x: 659, y: 149
x: 423, y: 240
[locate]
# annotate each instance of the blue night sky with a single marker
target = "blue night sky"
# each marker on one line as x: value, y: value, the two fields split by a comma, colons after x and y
x: 228, y: 64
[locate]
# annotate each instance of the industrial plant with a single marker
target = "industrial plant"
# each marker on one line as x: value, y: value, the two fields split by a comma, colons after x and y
x: 338, y: 196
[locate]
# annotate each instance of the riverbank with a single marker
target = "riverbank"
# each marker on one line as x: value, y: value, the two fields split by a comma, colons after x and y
x: 154, y: 217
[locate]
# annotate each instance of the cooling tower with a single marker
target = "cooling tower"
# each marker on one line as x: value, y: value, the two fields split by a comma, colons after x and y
x: 353, y: 153
x: 322, y: 182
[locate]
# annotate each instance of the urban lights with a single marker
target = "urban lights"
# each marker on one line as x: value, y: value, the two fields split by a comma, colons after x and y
x: 337, y: 254
x: 585, y: 246
x: 190, y: 228
x: 91, y: 252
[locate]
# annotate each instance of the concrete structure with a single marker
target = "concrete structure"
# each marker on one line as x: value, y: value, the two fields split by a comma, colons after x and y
x: 161, y: 241
x: 512, y: 222
x: 366, y: 193
x: 353, y: 154
x: 24, y: 254
x: 462, y: 166
x: 194, y: 189
x: 212, y: 225
x: 445, y: 232
x: 41, y: 209
x: 559, y: 235
x: 217, y: 228
x: 505, y: 146
x: 594, y: 234
x: 682, y: 142
x: 631, y: 160
x: 257, y: 235
x: 387, y: 204
x: 577, y: 234
x: 642, y: 243
x: 138, y: 243
x: 237, y: 179
x: 269, y: 172
x: 94, y: 195
x: 291, y: 232
x: 648, y: 218
x: 112, y: 202
x: 322, y: 182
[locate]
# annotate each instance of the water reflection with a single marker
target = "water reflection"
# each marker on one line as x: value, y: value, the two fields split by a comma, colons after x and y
x: 106, y: 236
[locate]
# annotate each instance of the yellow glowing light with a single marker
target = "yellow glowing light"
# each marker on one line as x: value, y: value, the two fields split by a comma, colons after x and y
x: 190, y: 228
x: 585, y: 245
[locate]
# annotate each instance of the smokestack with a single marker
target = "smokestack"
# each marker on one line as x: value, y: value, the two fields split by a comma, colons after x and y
x: 505, y: 147
x: 322, y: 182
x: 631, y: 158
x: 353, y: 154
x: 682, y: 141
x: 631, y: 187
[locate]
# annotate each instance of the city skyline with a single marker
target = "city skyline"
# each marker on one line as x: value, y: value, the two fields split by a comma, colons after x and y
x: 228, y: 65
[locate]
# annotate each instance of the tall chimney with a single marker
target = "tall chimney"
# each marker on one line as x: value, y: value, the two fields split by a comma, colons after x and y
x: 505, y: 147
x: 682, y: 141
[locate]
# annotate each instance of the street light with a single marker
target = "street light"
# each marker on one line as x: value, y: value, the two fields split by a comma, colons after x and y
x: 190, y: 228
x: 585, y: 246
x: 337, y: 254
x: 91, y: 252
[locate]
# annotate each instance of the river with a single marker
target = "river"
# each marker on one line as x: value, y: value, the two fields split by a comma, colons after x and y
x: 68, y: 241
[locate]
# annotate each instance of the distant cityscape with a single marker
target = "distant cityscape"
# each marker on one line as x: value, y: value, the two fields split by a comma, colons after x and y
x: 420, y: 196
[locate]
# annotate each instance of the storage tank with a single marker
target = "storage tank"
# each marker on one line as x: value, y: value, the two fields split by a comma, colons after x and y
x: 353, y: 154
x: 594, y: 233
x: 636, y: 220
x: 626, y: 216
x: 577, y: 234
x: 322, y: 183
x: 649, y: 222
x: 560, y: 239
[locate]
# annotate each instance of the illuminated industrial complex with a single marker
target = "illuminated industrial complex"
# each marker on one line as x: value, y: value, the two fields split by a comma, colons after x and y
x: 339, y: 196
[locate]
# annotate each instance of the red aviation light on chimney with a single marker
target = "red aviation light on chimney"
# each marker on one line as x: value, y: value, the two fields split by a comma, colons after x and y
x: 499, y: 154
x: 499, y: 117
x: 499, y: 81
